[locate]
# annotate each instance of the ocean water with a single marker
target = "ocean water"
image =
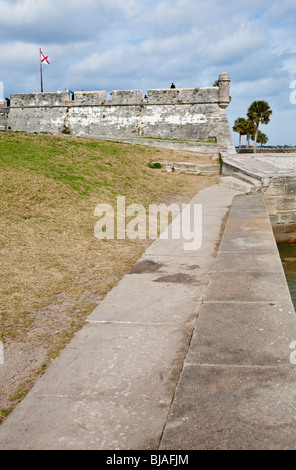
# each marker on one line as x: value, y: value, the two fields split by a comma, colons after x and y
x: 288, y: 256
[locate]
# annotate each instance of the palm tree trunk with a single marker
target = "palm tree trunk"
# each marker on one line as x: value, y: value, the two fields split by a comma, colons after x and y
x: 240, y: 140
x: 255, y: 138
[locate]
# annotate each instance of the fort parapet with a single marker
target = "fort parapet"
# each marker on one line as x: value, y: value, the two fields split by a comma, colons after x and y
x: 185, y: 114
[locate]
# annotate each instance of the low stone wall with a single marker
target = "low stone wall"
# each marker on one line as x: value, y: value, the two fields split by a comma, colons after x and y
x: 267, y: 150
x: 191, y: 168
x: 200, y: 148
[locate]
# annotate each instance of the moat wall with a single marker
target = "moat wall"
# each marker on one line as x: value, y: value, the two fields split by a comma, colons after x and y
x: 280, y: 200
x: 185, y: 114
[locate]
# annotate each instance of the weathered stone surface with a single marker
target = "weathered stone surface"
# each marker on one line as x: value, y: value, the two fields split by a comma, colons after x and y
x: 237, y: 184
x: 248, y: 287
x: 224, y: 88
x: 109, y: 390
x: 233, y: 408
x: 243, y: 334
x: 188, y: 114
x: 192, y: 168
x: 248, y: 261
x: 3, y: 118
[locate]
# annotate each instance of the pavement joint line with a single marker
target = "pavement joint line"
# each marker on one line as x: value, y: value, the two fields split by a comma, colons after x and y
x: 249, y: 251
x: 153, y: 255
x: 186, y: 256
x: 85, y: 395
x: 110, y: 322
x: 184, y: 240
x: 250, y: 232
x: 269, y: 301
x: 241, y: 366
x: 248, y: 272
x: 68, y: 395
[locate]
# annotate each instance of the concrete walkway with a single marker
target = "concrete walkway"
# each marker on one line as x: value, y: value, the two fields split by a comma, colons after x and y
x: 238, y: 387
x: 263, y: 166
x: 219, y: 329
x: 113, y: 386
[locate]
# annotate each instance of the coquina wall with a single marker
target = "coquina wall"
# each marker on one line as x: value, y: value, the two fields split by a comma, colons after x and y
x: 280, y: 200
x: 189, y: 114
x: 3, y: 115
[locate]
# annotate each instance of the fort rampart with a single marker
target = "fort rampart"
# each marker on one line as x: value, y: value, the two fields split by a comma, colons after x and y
x: 3, y: 115
x: 185, y: 114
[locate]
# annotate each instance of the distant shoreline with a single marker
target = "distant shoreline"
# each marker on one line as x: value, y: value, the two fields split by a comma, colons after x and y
x: 270, y: 149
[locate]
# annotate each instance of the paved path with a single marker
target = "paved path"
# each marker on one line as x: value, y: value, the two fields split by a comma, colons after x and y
x: 238, y: 387
x: 113, y: 386
x: 265, y: 166
x: 219, y: 329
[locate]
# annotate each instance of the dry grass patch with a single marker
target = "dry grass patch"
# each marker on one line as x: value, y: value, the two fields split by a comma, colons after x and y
x: 54, y: 271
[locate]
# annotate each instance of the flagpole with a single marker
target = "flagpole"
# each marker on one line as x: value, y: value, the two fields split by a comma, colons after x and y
x: 41, y: 79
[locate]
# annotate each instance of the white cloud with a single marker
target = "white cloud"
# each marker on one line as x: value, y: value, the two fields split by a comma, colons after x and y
x: 289, y: 65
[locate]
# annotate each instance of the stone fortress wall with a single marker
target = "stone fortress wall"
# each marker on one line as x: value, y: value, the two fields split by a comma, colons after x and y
x: 3, y: 115
x: 185, y: 114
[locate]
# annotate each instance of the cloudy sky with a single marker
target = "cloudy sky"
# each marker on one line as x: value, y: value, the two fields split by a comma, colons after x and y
x: 143, y: 44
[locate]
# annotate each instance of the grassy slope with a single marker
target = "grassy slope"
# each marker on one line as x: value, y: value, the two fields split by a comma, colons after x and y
x: 54, y: 271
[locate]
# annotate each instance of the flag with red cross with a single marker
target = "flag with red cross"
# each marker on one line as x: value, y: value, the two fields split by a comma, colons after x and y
x: 44, y: 58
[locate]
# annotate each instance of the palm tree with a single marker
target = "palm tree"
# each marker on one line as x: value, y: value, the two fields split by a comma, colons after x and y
x: 261, y: 138
x: 240, y: 126
x: 250, y: 129
x: 259, y: 112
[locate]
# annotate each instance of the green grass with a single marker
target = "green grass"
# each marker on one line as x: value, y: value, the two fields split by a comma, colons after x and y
x: 84, y: 166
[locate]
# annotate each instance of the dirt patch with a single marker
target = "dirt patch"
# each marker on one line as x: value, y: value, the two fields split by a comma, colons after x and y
x: 180, y: 278
x: 193, y: 267
x: 146, y: 266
